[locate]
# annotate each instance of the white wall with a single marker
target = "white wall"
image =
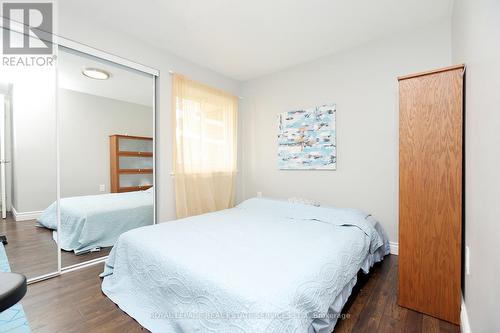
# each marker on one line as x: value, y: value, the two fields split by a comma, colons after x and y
x: 87, y: 121
x: 362, y: 81
x: 74, y: 26
x: 476, y: 42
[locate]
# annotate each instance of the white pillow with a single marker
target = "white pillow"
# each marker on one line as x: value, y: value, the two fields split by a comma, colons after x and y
x: 304, y: 201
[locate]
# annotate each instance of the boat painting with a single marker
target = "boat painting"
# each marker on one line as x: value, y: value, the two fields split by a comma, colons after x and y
x: 306, y: 139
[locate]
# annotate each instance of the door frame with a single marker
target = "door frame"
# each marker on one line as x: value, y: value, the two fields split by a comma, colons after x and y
x: 3, y: 170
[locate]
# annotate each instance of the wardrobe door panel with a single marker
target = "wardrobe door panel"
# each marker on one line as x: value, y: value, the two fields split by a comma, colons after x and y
x: 99, y: 101
x: 430, y: 193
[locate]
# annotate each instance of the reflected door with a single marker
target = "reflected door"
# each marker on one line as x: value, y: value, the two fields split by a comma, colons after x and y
x: 28, y: 169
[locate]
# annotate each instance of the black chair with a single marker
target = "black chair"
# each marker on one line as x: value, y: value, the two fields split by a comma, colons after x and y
x: 13, y: 287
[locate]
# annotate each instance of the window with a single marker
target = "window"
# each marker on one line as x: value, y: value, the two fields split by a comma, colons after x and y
x: 205, y: 146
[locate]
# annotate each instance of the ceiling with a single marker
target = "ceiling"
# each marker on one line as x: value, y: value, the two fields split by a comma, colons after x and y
x: 247, y: 39
x: 124, y: 84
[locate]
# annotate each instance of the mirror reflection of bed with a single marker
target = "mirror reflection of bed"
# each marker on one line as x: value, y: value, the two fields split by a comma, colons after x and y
x: 32, y: 250
x: 103, y: 114
x: 106, y: 155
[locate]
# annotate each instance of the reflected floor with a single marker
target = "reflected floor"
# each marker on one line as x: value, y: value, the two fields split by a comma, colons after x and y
x: 32, y: 251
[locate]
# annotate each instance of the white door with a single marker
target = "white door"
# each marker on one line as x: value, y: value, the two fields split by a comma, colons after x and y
x: 3, y: 192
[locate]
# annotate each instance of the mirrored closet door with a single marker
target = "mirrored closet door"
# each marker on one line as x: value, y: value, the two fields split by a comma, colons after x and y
x: 106, y: 126
x: 28, y: 169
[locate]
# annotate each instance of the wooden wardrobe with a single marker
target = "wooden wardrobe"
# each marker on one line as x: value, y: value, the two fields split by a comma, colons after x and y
x: 430, y: 191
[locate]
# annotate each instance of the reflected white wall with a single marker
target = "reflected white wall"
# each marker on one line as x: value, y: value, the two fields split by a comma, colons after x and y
x: 87, y: 121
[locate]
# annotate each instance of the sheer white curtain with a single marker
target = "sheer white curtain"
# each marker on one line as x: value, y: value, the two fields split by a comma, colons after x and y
x: 205, y: 141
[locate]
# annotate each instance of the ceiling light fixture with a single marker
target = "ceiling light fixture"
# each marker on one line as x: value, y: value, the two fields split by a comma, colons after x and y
x: 96, y: 74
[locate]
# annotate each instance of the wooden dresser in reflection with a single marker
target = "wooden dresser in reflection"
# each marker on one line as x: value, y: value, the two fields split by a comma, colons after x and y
x: 131, y: 163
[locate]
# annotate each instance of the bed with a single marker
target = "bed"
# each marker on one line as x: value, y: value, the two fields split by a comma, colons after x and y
x: 94, y: 221
x: 263, y: 266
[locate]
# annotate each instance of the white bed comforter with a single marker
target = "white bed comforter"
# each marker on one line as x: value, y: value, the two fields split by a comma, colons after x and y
x: 263, y: 266
x: 94, y: 221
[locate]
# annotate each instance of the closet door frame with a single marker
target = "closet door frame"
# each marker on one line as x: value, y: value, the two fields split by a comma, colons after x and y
x: 73, y: 45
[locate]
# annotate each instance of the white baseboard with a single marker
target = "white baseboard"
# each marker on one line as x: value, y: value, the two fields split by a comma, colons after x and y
x: 464, y: 318
x: 394, y: 248
x: 24, y: 216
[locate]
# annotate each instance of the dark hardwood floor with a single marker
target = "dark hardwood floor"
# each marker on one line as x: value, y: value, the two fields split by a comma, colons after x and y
x: 32, y: 251
x: 74, y: 302
x: 373, y: 306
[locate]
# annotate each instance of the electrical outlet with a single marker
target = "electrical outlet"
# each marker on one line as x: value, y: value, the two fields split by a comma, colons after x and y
x: 467, y: 260
x: 259, y: 194
x: 102, y: 188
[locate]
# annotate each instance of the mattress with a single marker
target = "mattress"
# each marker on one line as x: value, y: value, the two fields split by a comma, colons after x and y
x: 263, y: 266
x: 94, y: 221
